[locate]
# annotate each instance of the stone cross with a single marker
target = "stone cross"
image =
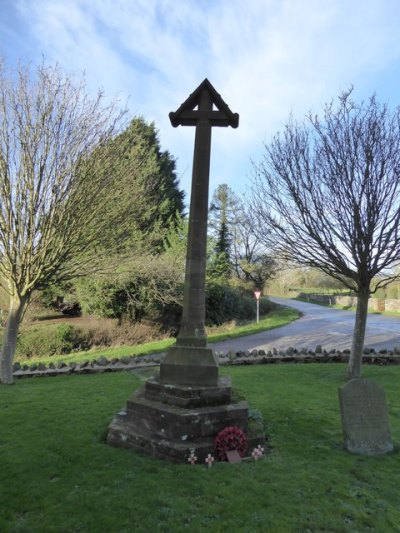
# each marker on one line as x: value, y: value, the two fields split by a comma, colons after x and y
x: 190, y: 361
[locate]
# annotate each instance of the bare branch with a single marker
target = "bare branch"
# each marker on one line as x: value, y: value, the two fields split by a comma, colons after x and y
x: 328, y: 193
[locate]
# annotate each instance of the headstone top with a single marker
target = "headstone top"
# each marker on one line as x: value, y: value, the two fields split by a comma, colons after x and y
x: 365, y: 420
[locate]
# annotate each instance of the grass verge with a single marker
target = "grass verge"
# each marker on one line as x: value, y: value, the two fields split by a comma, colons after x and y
x: 274, y: 319
x: 324, y: 304
x: 394, y: 314
x: 58, y: 475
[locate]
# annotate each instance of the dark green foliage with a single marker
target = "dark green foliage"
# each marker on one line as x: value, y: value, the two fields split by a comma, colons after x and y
x: 219, y: 226
x: 222, y: 266
x: 143, y: 286
x: 43, y: 341
x: 218, y: 267
x: 53, y: 295
x: 115, y: 298
x: 144, y: 296
x: 100, y: 297
x: 265, y: 306
x: 225, y: 303
x: 148, y: 181
x: 222, y: 245
x: 148, y: 287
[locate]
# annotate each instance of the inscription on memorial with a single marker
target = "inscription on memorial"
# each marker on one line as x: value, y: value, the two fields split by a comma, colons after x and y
x: 365, y: 420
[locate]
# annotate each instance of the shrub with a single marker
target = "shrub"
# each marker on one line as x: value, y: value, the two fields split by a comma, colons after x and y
x: 37, y: 342
x: 48, y: 339
x: 266, y: 306
x: 222, y: 303
x: 225, y: 303
x: 100, y: 297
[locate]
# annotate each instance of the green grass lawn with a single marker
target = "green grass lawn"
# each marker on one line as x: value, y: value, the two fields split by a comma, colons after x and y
x: 274, y: 319
x: 56, y: 473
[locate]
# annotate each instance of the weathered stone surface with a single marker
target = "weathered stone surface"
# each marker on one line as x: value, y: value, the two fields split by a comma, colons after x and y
x: 123, y: 436
x: 190, y: 365
x: 189, y: 396
x: 365, y: 420
x: 190, y: 361
x: 155, y: 423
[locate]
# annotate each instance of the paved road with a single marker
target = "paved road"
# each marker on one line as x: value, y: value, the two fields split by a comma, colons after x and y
x: 332, y: 328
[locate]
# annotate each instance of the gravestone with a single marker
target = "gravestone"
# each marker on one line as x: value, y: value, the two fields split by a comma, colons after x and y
x: 365, y: 420
x: 186, y: 407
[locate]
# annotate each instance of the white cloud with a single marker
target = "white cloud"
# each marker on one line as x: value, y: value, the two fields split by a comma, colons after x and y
x: 265, y: 57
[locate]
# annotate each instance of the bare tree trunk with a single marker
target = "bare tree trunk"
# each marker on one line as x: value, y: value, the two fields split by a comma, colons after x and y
x: 16, y: 311
x: 354, y: 367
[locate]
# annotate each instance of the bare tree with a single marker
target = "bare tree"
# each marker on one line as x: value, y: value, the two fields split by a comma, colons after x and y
x: 237, y: 242
x: 250, y: 257
x: 55, y: 177
x: 327, y: 192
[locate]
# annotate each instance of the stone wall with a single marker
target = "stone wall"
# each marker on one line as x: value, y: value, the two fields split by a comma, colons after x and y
x: 374, y: 304
x: 392, y: 305
x: 273, y: 356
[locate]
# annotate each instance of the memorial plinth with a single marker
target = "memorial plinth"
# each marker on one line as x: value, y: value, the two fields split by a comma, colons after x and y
x: 189, y: 404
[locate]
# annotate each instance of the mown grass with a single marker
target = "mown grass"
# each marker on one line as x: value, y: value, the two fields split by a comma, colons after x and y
x: 57, y: 474
x: 274, y: 319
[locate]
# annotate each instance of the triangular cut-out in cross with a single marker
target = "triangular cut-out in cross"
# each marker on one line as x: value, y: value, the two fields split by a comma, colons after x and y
x: 189, y: 114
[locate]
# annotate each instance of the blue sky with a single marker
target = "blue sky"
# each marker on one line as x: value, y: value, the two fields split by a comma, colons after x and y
x: 267, y: 58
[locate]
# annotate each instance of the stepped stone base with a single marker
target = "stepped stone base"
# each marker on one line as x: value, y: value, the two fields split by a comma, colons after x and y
x: 167, y: 420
